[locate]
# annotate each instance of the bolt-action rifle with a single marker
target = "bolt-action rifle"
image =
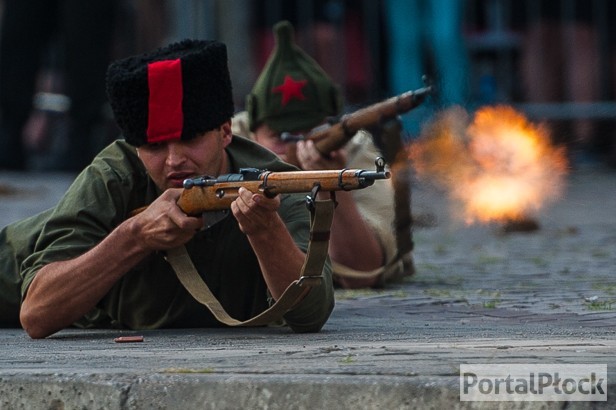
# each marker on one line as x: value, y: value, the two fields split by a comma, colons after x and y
x: 204, y: 194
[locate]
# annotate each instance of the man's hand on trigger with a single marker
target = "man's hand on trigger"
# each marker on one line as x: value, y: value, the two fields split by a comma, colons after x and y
x: 163, y: 225
x: 254, y: 212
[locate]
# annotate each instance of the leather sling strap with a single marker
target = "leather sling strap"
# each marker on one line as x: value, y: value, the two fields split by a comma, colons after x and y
x: 321, y: 215
x: 388, y: 139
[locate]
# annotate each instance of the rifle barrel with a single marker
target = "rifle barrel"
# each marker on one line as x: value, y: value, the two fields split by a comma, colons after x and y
x: 336, y: 136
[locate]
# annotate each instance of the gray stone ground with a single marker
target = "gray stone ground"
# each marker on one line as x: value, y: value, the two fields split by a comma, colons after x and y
x: 480, y: 296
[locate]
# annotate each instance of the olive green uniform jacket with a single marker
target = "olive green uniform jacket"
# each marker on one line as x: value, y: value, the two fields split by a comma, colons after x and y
x: 150, y: 295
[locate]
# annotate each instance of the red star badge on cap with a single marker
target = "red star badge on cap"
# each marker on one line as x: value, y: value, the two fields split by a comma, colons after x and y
x: 290, y: 89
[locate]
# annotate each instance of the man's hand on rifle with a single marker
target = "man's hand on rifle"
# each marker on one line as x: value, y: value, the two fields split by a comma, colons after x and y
x: 311, y: 159
x: 255, y: 213
x: 163, y: 225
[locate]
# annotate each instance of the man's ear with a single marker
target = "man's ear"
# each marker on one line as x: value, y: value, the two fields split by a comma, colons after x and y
x: 227, y: 134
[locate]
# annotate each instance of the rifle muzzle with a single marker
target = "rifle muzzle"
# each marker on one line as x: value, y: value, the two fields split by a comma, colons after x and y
x: 367, y: 178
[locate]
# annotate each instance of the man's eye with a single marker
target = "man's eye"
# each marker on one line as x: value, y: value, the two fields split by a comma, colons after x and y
x: 154, y: 146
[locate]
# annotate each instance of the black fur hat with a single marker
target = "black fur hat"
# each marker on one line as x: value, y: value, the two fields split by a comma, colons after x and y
x: 175, y: 92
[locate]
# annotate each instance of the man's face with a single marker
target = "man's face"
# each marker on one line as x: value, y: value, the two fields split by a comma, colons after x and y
x: 270, y: 139
x: 170, y: 162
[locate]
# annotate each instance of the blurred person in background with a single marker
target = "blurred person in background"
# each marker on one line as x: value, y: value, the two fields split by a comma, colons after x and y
x: 80, y: 34
x: 560, y: 62
x: 426, y: 37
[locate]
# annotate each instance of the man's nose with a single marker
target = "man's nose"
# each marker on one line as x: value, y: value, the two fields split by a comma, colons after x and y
x: 175, y: 153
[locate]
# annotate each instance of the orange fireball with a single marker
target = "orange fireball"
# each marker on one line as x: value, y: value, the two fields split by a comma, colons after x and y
x: 497, y: 164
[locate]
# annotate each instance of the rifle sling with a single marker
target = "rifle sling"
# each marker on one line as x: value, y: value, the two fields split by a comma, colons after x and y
x: 388, y: 139
x: 321, y: 215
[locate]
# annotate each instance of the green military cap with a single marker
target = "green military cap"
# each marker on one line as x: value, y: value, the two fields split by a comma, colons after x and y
x: 293, y: 93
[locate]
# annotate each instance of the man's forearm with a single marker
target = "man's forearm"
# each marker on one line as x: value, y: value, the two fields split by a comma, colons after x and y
x: 62, y: 292
x: 279, y: 257
x: 353, y: 243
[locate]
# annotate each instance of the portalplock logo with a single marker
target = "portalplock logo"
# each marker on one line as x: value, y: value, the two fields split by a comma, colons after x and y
x: 533, y: 382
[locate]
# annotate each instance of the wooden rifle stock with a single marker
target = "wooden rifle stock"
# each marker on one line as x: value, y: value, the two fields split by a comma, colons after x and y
x: 215, y: 194
x: 335, y: 137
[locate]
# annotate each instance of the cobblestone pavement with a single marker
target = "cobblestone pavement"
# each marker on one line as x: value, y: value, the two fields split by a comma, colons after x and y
x: 480, y: 295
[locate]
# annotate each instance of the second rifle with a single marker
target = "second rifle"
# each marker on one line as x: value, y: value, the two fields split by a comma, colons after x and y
x: 328, y: 138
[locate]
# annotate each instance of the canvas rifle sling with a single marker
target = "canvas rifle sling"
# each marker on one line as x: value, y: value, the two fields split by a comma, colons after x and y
x: 388, y: 139
x: 321, y: 215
